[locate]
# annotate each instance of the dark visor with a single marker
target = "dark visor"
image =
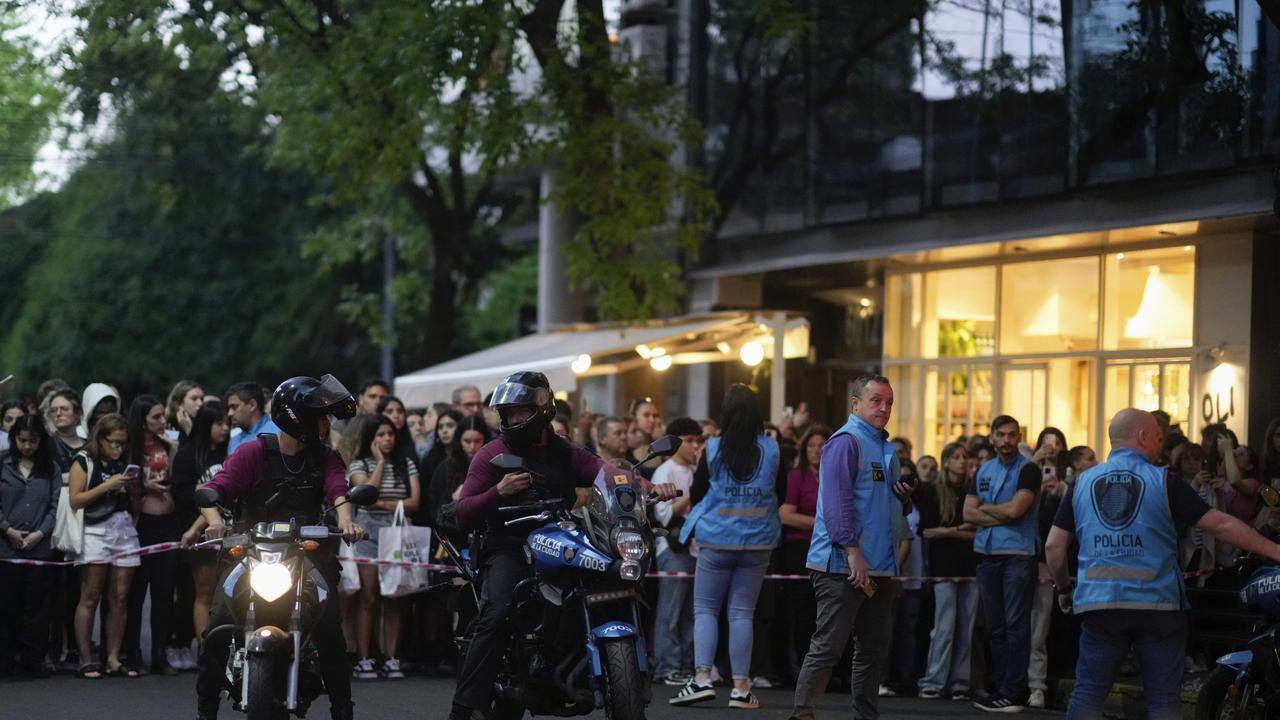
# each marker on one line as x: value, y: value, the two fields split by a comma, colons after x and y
x: 510, y: 393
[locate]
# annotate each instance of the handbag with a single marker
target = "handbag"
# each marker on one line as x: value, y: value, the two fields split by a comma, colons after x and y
x: 403, y: 542
x: 68, y: 524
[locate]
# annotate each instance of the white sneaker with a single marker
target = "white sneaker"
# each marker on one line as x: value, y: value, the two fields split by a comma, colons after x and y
x: 1036, y: 700
x: 190, y: 658
x: 391, y: 669
x: 744, y: 701
x: 761, y: 681
x: 886, y: 691
x: 173, y: 656
x: 365, y: 669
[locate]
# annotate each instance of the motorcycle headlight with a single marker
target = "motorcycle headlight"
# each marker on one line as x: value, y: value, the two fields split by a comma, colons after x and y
x: 630, y: 570
x: 270, y: 580
x: 630, y: 545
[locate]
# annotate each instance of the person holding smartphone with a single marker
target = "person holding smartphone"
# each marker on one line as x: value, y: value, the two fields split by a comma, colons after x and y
x: 101, y: 483
x: 1052, y: 457
x: 158, y: 522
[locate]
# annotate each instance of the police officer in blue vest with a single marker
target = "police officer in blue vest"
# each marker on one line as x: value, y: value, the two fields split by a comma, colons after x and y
x: 1126, y: 514
x: 1003, y: 504
x: 857, y: 527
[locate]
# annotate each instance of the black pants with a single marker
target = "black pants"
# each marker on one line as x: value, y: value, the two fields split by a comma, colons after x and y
x: 502, y: 569
x: 335, y: 668
x: 24, y: 613
x: 157, y: 572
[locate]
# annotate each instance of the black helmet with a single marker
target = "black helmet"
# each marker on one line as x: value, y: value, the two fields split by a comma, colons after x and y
x: 524, y: 389
x: 299, y: 402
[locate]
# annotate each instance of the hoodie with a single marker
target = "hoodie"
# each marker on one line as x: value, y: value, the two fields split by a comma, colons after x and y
x: 94, y: 394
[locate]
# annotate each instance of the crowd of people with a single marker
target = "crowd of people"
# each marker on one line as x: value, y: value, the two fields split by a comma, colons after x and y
x: 951, y: 598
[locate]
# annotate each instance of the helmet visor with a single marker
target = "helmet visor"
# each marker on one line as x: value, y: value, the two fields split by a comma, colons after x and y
x: 333, y: 398
x: 509, y: 393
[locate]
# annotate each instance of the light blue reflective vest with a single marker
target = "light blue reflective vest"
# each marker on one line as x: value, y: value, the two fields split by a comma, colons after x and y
x: 998, y: 484
x: 738, y: 514
x: 1128, y: 540
x: 874, y: 504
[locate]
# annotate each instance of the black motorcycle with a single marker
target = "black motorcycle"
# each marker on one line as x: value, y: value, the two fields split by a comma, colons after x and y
x: 276, y: 596
x: 577, y: 639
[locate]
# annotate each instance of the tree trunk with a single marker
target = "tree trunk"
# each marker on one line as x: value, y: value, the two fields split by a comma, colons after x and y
x: 442, y: 315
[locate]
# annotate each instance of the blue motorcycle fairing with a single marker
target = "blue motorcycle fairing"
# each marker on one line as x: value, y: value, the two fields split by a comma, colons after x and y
x: 614, y: 629
x: 554, y: 548
x: 1238, y: 660
x: 233, y: 577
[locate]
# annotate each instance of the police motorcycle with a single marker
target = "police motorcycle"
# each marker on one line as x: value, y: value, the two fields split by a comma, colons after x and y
x: 1246, y: 683
x: 577, y: 643
x: 276, y: 595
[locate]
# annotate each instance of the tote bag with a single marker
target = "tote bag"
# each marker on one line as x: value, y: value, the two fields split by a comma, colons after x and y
x: 68, y: 524
x: 402, y: 542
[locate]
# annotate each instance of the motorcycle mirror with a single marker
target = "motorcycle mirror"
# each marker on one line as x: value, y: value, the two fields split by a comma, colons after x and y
x: 363, y: 495
x: 664, y: 446
x: 207, y: 497
x: 508, y: 462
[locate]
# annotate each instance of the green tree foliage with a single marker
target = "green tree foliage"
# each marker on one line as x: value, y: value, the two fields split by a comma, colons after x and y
x: 174, y: 252
x: 416, y: 112
x: 27, y: 100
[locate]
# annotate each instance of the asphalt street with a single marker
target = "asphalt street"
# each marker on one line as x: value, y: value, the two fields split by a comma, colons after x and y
x: 168, y: 698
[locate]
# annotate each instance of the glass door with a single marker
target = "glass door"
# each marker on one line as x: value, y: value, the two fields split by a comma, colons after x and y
x: 1148, y: 385
x: 964, y: 400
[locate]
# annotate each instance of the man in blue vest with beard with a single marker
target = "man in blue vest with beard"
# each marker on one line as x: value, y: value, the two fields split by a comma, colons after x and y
x: 1002, y: 502
x: 1126, y: 514
x: 857, y: 528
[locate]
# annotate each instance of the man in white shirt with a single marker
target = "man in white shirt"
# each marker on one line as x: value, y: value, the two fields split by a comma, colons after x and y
x: 673, y: 627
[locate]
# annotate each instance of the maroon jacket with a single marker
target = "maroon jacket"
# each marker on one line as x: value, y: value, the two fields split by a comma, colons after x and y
x: 479, y: 497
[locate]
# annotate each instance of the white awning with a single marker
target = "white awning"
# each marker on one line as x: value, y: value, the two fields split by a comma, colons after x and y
x: 612, y: 348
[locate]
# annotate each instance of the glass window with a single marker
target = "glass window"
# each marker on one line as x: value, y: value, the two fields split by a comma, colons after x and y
x: 1054, y: 393
x: 945, y: 313
x: 1150, y: 299
x: 1149, y: 385
x: 1049, y: 306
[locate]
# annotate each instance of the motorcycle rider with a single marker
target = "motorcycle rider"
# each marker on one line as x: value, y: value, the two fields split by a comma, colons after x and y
x: 310, y: 474
x: 567, y: 471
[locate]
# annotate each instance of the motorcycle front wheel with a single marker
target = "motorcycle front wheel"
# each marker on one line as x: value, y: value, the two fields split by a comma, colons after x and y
x: 263, y: 703
x: 624, y: 684
x: 1213, y: 702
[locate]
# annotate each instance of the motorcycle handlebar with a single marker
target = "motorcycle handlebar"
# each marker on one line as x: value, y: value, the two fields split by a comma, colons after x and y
x: 529, y: 509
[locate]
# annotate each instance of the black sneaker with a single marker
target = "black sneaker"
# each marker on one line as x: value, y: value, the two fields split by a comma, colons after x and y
x: 997, y: 704
x: 743, y: 701
x: 692, y: 693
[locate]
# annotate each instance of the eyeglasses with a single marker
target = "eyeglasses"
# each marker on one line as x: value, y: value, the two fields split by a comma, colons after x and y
x: 117, y: 444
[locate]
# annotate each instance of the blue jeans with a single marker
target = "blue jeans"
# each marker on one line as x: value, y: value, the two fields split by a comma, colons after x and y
x: 736, y: 575
x: 1158, y: 638
x: 673, y: 625
x: 951, y: 643
x: 1006, y: 584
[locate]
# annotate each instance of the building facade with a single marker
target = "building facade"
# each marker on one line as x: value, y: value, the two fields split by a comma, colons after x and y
x: 1048, y: 209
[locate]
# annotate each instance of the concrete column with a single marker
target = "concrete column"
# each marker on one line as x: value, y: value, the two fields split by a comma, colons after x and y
x: 778, y: 384
x: 555, y: 228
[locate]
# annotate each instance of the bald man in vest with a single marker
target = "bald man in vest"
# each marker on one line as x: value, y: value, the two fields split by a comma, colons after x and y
x: 1127, y: 514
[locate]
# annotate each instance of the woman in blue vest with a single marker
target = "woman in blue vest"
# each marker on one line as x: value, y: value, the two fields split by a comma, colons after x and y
x: 735, y: 521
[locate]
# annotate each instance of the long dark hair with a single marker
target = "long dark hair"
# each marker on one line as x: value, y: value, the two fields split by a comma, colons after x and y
x: 399, y: 461
x: 439, y: 451
x: 138, y: 426
x: 403, y: 438
x: 456, y: 459
x: 44, y: 465
x: 741, y: 424
x: 203, y: 451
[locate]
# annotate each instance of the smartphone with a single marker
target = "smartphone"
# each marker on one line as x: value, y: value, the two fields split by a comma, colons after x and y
x: 1050, y: 471
x: 131, y: 471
